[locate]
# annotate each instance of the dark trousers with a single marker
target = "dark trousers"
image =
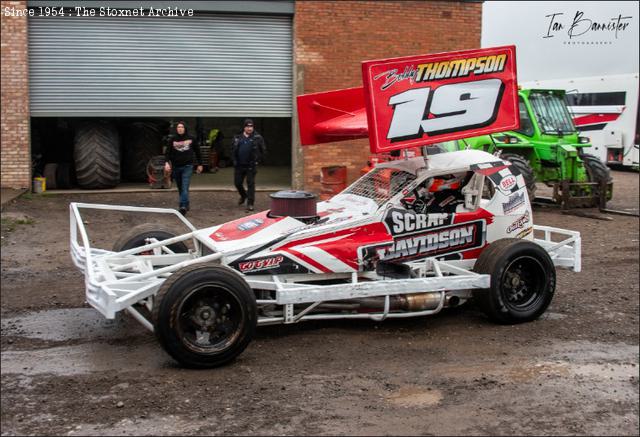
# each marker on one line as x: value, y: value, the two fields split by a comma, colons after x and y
x: 182, y: 176
x: 239, y: 176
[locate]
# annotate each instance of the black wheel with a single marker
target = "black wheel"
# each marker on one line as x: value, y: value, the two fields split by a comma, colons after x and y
x: 139, y: 236
x: 524, y: 166
x: 49, y: 174
x: 141, y: 142
x: 596, y: 170
x: 523, y: 280
x: 204, y: 315
x: 96, y: 153
x: 64, y: 175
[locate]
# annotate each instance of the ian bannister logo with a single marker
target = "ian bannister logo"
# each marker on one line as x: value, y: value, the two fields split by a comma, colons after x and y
x: 103, y: 11
x: 579, y: 28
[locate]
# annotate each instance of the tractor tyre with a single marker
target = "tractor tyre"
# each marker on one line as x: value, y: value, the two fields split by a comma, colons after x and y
x: 141, y: 142
x: 523, y: 280
x: 204, y: 315
x: 524, y: 166
x: 597, y: 171
x: 97, y: 155
x: 138, y: 236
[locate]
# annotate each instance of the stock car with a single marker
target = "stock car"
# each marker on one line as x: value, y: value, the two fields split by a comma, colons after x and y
x: 409, y: 238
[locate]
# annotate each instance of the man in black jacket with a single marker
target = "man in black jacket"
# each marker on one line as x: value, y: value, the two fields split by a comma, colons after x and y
x: 183, y: 152
x: 247, y: 150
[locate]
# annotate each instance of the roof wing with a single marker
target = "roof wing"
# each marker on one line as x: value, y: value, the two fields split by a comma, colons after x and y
x: 418, y: 100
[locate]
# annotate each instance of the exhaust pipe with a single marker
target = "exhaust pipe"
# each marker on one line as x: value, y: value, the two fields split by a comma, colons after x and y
x: 404, y: 302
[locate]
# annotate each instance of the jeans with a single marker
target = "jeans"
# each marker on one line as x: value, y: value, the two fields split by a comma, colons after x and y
x: 240, y: 174
x: 182, y: 176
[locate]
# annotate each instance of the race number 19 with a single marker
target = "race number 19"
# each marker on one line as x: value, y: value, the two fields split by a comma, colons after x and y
x: 453, y: 107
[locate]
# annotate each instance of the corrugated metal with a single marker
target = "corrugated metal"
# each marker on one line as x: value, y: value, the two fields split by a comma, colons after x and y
x: 212, y: 65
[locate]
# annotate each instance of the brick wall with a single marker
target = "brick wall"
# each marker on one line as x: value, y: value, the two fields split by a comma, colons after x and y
x: 333, y: 37
x: 15, y: 154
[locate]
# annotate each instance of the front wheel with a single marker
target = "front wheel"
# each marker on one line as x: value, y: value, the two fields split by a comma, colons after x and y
x: 523, y: 280
x: 205, y: 315
x: 598, y: 172
x: 144, y: 234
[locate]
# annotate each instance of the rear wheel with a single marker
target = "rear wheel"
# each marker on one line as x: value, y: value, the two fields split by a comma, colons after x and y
x: 205, y: 315
x: 524, y: 166
x: 523, y: 280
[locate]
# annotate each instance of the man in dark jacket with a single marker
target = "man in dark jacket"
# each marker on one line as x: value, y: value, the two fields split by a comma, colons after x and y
x: 247, y: 150
x: 183, y: 152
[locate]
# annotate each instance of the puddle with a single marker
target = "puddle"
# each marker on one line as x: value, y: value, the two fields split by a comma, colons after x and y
x: 69, y: 324
x: 154, y: 425
x: 595, y: 361
x: 415, y: 397
x: 83, y: 359
x: 586, y: 352
x: 552, y: 316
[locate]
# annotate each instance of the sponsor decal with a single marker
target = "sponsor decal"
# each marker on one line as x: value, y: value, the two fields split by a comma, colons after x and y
x: 508, y: 182
x: 433, y: 242
x: 502, y: 174
x: 513, y: 203
x: 251, y: 224
x: 401, y: 222
x: 524, y: 233
x: 260, y: 264
x: 519, y: 223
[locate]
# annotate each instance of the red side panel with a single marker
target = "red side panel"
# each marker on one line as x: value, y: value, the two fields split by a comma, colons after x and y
x: 594, y: 118
x: 418, y: 100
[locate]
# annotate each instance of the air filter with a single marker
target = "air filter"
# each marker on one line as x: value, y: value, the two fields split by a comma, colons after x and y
x: 293, y: 203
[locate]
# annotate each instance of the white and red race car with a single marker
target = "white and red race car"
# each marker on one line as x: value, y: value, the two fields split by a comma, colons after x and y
x: 382, y: 248
x: 407, y: 239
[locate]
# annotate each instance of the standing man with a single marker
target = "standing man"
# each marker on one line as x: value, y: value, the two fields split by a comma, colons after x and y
x: 182, y: 154
x: 247, y: 150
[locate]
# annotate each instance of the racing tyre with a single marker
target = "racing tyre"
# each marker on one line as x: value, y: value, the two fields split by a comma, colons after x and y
x: 596, y: 170
x: 523, y: 280
x: 142, y: 141
x: 524, y: 166
x: 204, y: 315
x: 139, y: 235
x: 96, y: 153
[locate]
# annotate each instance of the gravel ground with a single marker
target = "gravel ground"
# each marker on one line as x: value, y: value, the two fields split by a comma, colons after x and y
x: 66, y: 370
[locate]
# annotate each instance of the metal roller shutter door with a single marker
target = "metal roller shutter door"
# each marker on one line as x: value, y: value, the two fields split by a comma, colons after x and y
x: 210, y: 65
